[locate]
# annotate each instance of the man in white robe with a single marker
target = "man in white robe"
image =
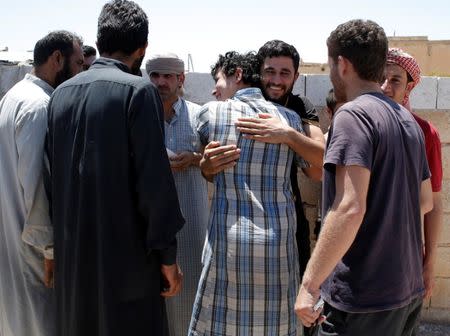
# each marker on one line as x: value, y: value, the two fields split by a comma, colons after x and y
x: 26, y: 235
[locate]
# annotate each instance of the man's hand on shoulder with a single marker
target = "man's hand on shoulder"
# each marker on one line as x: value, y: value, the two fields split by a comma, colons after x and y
x: 217, y: 158
x: 266, y: 128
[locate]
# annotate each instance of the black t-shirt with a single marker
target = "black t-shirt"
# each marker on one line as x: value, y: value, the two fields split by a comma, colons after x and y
x: 382, y: 270
x: 303, y: 107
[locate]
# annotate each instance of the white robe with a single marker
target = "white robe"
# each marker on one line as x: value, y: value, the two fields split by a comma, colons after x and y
x: 26, y: 306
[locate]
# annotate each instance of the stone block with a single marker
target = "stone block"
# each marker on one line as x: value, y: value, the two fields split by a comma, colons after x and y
x: 440, y: 119
x: 446, y: 161
x: 198, y: 87
x: 435, y: 315
x: 443, y: 93
x: 317, y: 87
x: 299, y: 86
x: 444, y: 237
x: 442, y: 267
x: 441, y: 295
x: 424, y: 95
x: 445, y: 194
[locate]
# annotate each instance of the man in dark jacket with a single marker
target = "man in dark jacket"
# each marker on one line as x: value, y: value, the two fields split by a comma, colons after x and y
x: 113, y: 201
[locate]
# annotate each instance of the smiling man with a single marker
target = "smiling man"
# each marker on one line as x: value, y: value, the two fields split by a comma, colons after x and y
x: 402, y: 76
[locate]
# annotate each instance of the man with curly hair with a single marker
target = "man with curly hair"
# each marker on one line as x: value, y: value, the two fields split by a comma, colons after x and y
x: 367, y: 264
x: 250, y: 273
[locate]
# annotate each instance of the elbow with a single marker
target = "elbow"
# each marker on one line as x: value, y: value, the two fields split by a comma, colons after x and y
x: 427, y: 206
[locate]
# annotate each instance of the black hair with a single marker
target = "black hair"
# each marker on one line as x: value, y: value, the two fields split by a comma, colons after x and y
x: 364, y: 44
x: 61, y: 40
x: 331, y: 100
x: 277, y: 48
x: 89, y: 51
x: 122, y: 26
x: 232, y: 60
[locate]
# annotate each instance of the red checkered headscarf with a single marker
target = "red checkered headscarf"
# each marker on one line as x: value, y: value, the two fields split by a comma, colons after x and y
x: 408, y: 63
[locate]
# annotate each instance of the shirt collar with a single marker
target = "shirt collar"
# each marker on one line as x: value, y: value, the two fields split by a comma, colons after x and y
x: 250, y: 91
x: 103, y: 62
x: 177, y: 106
x: 48, y: 89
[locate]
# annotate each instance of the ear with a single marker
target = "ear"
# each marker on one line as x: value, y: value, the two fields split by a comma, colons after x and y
x: 409, y: 87
x: 57, y: 60
x: 181, y: 78
x: 296, y: 76
x: 238, y: 75
x: 342, y: 65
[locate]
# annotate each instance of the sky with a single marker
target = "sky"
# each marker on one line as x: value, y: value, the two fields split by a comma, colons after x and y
x: 205, y: 29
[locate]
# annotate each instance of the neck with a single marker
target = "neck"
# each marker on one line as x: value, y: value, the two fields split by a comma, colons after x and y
x: 120, y: 56
x: 43, y: 73
x: 168, y: 108
x: 359, y: 87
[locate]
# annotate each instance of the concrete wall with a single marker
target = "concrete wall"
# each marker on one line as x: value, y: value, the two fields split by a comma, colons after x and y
x: 431, y: 101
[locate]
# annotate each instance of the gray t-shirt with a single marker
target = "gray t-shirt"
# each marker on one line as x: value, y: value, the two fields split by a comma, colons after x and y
x: 382, y: 270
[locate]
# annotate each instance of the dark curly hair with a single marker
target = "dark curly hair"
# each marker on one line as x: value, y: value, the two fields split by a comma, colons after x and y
x: 232, y: 60
x: 277, y: 48
x: 122, y: 26
x: 364, y: 44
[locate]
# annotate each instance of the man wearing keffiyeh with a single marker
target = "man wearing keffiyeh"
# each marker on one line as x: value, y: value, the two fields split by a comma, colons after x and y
x: 402, y: 75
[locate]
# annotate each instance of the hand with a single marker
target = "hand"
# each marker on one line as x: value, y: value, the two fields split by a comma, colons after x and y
x: 304, y: 307
x: 173, y: 278
x: 181, y: 161
x: 48, y: 272
x: 217, y: 158
x: 428, y: 281
x: 266, y: 128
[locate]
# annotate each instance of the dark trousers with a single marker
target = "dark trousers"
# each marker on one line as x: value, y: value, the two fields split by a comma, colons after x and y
x: 396, y: 322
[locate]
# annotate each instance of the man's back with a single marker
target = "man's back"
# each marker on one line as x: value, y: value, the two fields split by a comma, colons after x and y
x: 382, y: 268
x: 111, y: 190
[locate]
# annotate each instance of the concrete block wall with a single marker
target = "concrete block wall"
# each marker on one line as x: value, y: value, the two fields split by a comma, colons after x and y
x: 430, y: 100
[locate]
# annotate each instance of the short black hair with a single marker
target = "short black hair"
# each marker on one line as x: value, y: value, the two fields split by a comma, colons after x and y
x: 331, y: 100
x: 364, y: 44
x: 89, y: 51
x: 277, y: 48
x: 61, y: 40
x: 232, y: 60
x: 122, y: 27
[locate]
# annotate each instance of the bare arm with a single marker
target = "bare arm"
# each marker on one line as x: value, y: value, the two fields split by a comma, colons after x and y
x: 315, y: 133
x: 432, y: 228
x: 273, y: 130
x: 338, y: 233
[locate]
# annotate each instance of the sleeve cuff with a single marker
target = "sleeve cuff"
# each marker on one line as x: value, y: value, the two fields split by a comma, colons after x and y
x: 168, y: 256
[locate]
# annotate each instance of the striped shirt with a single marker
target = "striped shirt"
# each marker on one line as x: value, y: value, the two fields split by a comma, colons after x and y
x: 181, y: 136
x: 250, y: 275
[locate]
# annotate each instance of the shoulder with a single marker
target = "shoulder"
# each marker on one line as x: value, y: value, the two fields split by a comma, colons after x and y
x: 430, y: 132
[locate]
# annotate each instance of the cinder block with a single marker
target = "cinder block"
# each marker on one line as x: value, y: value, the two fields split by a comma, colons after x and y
x: 299, y: 86
x: 443, y: 97
x: 435, y: 315
x: 444, y: 237
x: 317, y: 87
x: 445, y: 194
x: 424, y: 95
x: 441, y: 294
x: 440, y: 120
x: 446, y: 161
x: 198, y: 87
x: 442, y: 267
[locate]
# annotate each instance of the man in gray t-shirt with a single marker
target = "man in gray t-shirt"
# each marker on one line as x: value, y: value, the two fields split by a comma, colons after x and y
x: 367, y: 264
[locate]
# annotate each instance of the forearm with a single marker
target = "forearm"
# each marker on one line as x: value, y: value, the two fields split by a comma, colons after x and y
x: 311, y: 150
x: 433, y: 222
x: 337, y: 235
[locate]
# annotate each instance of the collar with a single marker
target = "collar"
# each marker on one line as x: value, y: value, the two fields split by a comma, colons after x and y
x: 48, y: 89
x: 103, y: 62
x: 250, y: 91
